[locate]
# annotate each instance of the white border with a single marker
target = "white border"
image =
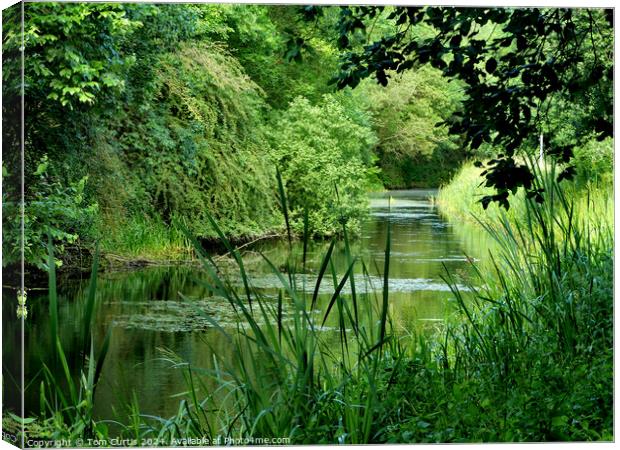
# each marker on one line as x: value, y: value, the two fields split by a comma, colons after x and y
x: 499, y: 3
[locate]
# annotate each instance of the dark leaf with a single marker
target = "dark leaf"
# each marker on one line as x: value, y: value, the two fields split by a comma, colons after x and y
x: 491, y: 65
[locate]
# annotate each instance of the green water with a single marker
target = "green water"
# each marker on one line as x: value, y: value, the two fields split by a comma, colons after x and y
x: 156, y: 309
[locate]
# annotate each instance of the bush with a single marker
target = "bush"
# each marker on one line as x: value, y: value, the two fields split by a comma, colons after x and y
x: 197, y: 144
x: 325, y: 155
x: 53, y: 208
x: 413, y: 150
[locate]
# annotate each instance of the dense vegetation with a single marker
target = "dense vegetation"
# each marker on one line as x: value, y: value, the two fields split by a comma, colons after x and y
x: 155, y: 131
x: 149, y: 116
x: 528, y: 355
x: 521, y: 67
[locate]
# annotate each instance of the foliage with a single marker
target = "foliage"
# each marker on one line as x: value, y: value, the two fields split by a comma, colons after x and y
x: 54, y: 208
x: 515, y: 64
x: 197, y: 142
x: 71, y: 59
x: 412, y: 149
x: 164, y: 109
x: 537, y: 343
x: 70, y: 50
x: 594, y: 162
x: 325, y: 155
x: 257, y: 37
x: 460, y: 198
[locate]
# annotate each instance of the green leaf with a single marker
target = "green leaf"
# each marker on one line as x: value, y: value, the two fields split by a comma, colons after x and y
x: 559, y: 421
x: 423, y: 424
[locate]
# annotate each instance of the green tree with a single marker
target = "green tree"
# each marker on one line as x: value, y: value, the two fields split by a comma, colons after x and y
x: 71, y: 60
x: 325, y: 155
x: 258, y: 36
x: 413, y: 149
x: 515, y: 64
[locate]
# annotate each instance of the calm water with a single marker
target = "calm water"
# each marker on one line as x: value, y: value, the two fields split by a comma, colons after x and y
x: 156, y: 309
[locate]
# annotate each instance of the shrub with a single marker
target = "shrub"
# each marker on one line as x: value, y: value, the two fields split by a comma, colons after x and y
x: 197, y: 144
x: 324, y: 152
x: 594, y: 161
x: 53, y: 207
x: 413, y: 150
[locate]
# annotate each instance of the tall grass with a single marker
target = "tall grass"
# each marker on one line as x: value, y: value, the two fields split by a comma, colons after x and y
x: 145, y: 238
x: 460, y: 199
x: 67, y: 401
x: 531, y: 359
x: 289, y: 377
x: 528, y: 356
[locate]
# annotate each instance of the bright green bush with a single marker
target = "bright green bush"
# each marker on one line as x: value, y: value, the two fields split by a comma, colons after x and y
x: 325, y: 156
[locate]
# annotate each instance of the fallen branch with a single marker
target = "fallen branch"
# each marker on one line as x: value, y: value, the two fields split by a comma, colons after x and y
x: 260, y: 238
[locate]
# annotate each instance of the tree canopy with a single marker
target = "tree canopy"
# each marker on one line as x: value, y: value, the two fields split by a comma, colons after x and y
x: 144, y: 116
x: 517, y: 65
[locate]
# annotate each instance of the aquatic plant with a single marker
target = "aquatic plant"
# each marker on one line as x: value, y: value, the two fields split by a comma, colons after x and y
x: 66, y: 402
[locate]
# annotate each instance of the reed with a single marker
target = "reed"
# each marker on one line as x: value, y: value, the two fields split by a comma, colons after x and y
x: 67, y: 401
x: 530, y: 343
x: 288, y: 377
x: 527, y: 357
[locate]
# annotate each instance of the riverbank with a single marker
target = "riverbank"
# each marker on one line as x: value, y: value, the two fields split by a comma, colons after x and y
x: 77, y: 262
x: 460, y: 199
x: 526, y: 356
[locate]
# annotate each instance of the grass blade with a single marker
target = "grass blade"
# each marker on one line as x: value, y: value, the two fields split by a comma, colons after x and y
x: 53, y: 299
x: 338, y: 290
x: 386, y: 285
x: 284, y: 207
x: 324, y: 263
x: 90, y: 305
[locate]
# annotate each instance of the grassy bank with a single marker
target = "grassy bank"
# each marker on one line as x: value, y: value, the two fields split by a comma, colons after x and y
x: 528, y: 356
x: 148, y: 241
x: 460, y: 198
x: 145, y: 238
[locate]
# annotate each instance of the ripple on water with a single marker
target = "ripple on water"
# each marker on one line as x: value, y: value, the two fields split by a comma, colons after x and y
x: 403, y: 215
x: 364, y: 284
x: 399, y: 203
